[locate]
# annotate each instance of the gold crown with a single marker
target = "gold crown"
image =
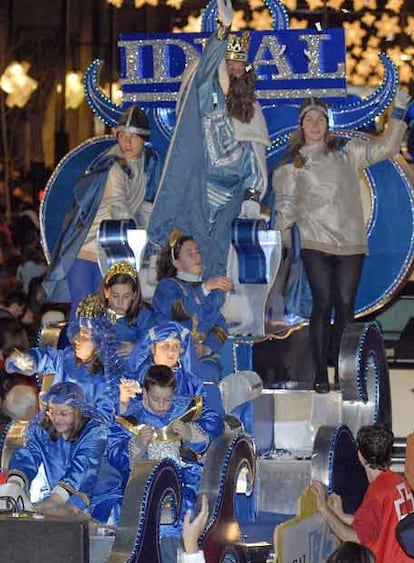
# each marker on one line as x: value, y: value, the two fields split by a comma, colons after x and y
x: 174, y: 236
x: 238, y: 47
x: 121, y: 268
x: 92, y: 306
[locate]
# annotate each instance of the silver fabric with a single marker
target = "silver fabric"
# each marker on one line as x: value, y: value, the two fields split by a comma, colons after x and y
x: 322, y: 193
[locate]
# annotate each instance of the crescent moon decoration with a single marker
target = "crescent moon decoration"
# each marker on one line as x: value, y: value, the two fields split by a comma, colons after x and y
x: 100, y: 104
x: 58, y: 197
x: 277, y: 10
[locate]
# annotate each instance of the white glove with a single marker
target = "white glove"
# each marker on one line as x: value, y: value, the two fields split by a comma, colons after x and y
x: 250, y: 209
x: 20, y: 362
x: 225, y: 12
x: 14, y: 490
x: 402, y: 99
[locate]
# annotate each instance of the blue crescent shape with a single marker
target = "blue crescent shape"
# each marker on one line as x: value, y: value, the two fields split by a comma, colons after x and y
x: 390, y: 235
x: 99, y: 103
x: 58, y: 197
x: 280, y: 17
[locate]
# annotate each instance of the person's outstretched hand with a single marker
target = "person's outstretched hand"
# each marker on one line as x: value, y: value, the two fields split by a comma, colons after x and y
x: 225, y: 12
x: 402, y: 99
x: 192, y: 530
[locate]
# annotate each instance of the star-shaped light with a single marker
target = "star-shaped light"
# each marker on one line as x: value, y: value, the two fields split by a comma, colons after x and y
x: 238, y: 21
x: 371, y: 56
x: 255, y: 4
x: 261, y: 21
x: 193, y: 24
x: 359, y: 79
x: 350, y: 64
x: 373, y: 41
x: 395, y: 54
x: 291, y: 5
x: 175, y: 4
x: 368, y: 19
x: 405, y: 72
x: 394, y: 5
x: 365, y: 5
x: 314, y: 4
x: 409, y: 28
x: 298, y: 24
x: 387, y: 26
x: 335, y: 4
x: 356, y: 51
x: 354, y: 33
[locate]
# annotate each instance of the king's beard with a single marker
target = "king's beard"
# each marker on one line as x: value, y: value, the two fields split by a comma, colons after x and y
x: 241, y: 97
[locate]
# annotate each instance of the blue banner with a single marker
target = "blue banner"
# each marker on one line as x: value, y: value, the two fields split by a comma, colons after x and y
x: 290, y: 64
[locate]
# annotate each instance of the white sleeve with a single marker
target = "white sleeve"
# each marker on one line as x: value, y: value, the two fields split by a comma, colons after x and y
x: 192, y: 557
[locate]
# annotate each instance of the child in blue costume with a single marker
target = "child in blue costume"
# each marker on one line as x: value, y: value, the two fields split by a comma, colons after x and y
x: 171, y: 345
x: 121, y: 291
x: 69, y: 438
x: 182, y: 296
x: 159, y: 407
x: 82, y: 362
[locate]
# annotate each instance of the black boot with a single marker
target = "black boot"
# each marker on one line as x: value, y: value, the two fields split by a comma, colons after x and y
x: 321, y: 385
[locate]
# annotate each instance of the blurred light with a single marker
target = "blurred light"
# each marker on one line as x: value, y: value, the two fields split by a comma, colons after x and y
x: 73, y: 90
x: 17, y: 84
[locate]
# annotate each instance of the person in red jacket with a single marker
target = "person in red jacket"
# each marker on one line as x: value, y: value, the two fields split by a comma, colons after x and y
x: 387, y: 500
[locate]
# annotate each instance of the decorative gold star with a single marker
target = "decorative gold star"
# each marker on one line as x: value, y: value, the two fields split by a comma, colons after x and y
x: 335, y: 4
x: 368, y: 19
x: 291, y: 5
x: 387, y: 26
x: 193, y: 24
x: 409, y: 28
x: 261, y: 21
x: 298, y: 24
x: 255, y: 4
x: 314, y: 4
x: 177, y: 4
x: 394, y: 5
x: 365, y: 5
x: 374, y: 80
x: 354, y: 33
x: 238, y: 21
x: 358, y: 79
x: 356, y: 51
x: 395, y: 54
x: 405, y: 72
x: 373, y: 41
x: 350, y: 65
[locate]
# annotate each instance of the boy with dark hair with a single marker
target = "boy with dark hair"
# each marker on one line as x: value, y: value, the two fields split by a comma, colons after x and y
x: 387, y: 500
x: 164, y: 424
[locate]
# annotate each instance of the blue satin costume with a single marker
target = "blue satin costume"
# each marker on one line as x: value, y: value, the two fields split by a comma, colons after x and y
x: 74, y: 466
x: 187, y: 303
x: 211, y: 425
x: 65, y: 367
x: 204, y: 156
x: 88, y: 193
x: 141, y: 358
x: 136, y: 330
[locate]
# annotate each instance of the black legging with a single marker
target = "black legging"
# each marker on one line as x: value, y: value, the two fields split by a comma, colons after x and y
x: 333, y: 283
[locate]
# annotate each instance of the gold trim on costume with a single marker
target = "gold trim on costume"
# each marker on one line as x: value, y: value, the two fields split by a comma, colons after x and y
x: 133, y: 428
x: 122, y: 267
x: 220, y: 333
x: 73, y: 491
